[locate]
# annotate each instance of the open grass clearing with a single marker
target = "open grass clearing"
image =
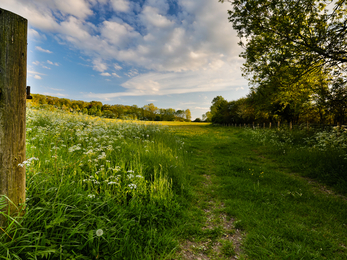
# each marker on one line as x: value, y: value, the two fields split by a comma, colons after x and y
x: 282, y: 216
x: 103, y: 190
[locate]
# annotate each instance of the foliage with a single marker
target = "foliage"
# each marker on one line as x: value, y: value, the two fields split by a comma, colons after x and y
x: 95, y: 108
x: 295, y: 58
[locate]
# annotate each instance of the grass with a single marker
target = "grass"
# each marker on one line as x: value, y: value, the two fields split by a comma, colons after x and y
x: 86, y: 174
x: 282, y: 215
x: 101, y: 189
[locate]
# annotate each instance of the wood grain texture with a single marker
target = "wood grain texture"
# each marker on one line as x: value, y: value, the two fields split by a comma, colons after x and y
x: 13, y: 68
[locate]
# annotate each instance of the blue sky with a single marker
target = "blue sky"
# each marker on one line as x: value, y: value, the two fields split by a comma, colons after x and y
x: 174, y: 53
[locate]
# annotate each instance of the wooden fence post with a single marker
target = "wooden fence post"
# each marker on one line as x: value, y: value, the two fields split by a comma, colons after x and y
x: 290, y: 125
x: 278, y: 125
x: 270, y: 125
x: 13, y: 71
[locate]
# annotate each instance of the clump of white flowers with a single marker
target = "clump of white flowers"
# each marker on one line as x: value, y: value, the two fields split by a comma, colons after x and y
x: 28, y: 162
x: 94, y: 151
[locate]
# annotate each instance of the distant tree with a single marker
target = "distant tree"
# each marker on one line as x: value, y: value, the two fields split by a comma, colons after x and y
x: 180, y: 115
x: 167, y: 114
x: 207, y: 117
x: 188, y: 115
x: 85, y: 111
x: 151, y: 110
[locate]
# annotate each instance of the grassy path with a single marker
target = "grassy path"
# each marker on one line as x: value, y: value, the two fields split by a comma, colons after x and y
x: 242, y: 195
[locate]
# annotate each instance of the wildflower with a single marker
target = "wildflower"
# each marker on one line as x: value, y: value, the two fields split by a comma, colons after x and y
x: 102, y: 156
x: 132, y: 186
x: 74, y: 148
x: 99, y: 232
x: 112, y: 182
x: 130, y: 171
x: 91, y: 196
x: 130, y: 176
x: 139, y: 176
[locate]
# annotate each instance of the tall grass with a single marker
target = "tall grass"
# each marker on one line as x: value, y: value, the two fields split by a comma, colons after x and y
x: 97, y: 189
x: 320, y: 154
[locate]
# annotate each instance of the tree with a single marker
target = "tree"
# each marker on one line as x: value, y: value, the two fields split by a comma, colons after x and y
x: 217, y: 103
x: 207, y: 117
x: 151, y: 110
x: 188, y: 115
x: 179, y: 114
x: 289, y: 45
x: 167, y: 114
x: 296, y: 27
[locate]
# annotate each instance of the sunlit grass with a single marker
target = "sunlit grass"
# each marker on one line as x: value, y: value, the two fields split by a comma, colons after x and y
x: 110, y: 189
x: 97, y: 188
x: 282, y: 215
x: 177, y: 123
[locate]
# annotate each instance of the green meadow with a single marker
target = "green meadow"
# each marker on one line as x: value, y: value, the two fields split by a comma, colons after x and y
x: 106, y: 189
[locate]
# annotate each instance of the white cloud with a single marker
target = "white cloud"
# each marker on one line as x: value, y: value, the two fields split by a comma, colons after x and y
x: 119, y: 35
x: 73, y: 28
x: 151, y: 17
x: 43, y: 50
x: 99, y: 65
x: 55, y: 94
x: 117, y: 67
x: 105, y: 74
x: 154, y: 83
x: 120, y: 5
x: 55, y: 89
x: 192, y: 50
x: 132, y: 73
x: 78, y: 8
x: 37, y: 77
x: 52, y: 63
x: 185, y: 41
x: 33, y: 34
x: 35, y: 72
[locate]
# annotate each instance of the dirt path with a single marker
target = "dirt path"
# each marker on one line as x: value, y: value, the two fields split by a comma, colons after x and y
x: 219, y: 237
x: 228, y: 243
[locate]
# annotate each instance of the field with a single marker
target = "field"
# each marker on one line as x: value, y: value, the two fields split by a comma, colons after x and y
x: 105, y: 189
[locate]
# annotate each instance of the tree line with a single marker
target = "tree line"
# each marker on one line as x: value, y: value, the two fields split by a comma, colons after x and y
x: 295, y: 55
x: 95, y: 108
